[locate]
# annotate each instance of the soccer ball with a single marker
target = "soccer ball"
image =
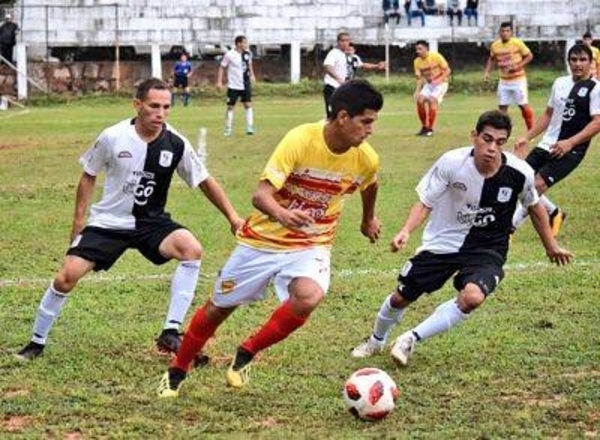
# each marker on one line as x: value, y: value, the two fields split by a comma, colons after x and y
x: 370, y: 394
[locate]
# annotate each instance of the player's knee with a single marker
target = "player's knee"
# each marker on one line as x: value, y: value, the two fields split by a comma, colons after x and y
x: 470, y: 298
x: 65, y: 281
x: 305, y: 295
x: 193, y: 251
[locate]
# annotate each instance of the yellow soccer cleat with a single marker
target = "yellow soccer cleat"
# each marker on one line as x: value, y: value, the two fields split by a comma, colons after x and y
x: 170, y: 383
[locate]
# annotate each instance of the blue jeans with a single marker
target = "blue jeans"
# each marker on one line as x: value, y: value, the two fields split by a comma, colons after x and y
x: 413, y: 14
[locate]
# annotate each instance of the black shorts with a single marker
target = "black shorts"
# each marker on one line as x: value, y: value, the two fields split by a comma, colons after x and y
x: 552, y: 169
x: 243, y: 95
x: 427, y: 272
x: 105, y: 246
x: 180, y: 82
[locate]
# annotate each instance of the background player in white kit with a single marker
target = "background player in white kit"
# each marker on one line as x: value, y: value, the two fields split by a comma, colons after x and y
x: 469, y: 195
x: 240, y: 76
x: 571, y: 120
x: 139, y: 157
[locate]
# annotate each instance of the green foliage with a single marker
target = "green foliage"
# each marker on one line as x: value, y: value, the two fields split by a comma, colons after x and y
x: 525, y: 365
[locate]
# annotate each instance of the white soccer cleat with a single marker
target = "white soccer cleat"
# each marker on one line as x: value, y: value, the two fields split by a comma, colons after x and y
x: 403, y: 348
x: 368, y: 348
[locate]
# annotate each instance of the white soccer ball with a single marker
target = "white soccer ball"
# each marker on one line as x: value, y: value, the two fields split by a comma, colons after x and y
x: 370, y: 394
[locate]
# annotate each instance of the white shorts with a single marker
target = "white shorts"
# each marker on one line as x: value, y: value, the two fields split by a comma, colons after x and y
x: 513, y: 93
x: 434, y: 91
x: 248, y: 272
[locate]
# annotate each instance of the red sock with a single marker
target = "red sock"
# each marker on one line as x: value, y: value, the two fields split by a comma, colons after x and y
x: 198, y: 332
x: 432, y: 116
x: 527, y: 116
x: 422, y: 112
x: 280, y: 325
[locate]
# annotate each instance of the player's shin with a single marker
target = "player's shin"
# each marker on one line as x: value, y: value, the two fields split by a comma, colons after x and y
x: 387, y: 318
x: 50, y: 306
x: 183, y: 287
x: 445, y: 316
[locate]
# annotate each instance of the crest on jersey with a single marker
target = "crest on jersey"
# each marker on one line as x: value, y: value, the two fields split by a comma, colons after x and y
x: 166, y: 158
x: 504, y: 194
x: 582, y: 92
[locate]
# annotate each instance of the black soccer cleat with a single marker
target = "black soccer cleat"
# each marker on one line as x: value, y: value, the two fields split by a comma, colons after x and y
x: 168, y: 341
x: 30, y: 352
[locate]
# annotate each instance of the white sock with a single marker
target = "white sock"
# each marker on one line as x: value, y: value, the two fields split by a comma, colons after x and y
x: 249, y: 115
x: 50, y: 306
x: 446, y: 316
x: 519, y: 216
x: 550, y: 207
x: 183, y: 287
x: 229, y: 119
x: 387, y: 318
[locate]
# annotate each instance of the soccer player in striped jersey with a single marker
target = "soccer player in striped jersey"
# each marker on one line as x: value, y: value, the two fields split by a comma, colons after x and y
x: 469, y: 196
x: 287, y: 240
x: 432, y: 72
x: 511, y: 56
x: 138, y: 157
x: 571, y: 120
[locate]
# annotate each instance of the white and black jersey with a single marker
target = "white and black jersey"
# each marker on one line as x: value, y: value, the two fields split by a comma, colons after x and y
x: 353, y: 64
x: 238, y: 69
x: 573, y: 104
x: 138, y: 174
x: 469, y: 211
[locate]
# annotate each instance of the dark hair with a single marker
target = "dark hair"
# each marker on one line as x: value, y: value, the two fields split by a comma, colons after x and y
x: 150, y: 84
x: 506, y: 24
x: 588, y: 34
x: 495, y: 119
x: 580, y: 48
x: 239, y: 39
x: 422, y: 43
x: 355, y: 97
x: 342, y: 35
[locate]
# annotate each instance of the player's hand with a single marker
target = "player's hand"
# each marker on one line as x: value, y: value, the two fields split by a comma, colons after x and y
x: 220, y: 87
x: 559, y: 256
x: 295, y: 219
x: 521, y: 147
x: 486, y: 77
x: 382, y: 65
x: 560, y: 149
x: 236, y: 224
x: 371, y: 229
x: 400, y: 240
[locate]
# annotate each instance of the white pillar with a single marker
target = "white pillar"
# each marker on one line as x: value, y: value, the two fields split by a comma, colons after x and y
x: 295, y: 55
x: 568, y: 44
x: 21, y: 56
x: 156, y: 61
x: 433, y: 45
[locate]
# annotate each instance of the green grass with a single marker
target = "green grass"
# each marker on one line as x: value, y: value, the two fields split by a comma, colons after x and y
x: 523, y: 366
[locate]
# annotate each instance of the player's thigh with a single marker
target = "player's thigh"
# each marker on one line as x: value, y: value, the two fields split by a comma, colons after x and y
x: 482, y: 269
x: 101, y: 246
x: 425, y: 272
x: 553, y: 171
x: 246, y: 96
x: 161, y: 239
x: 505, y: 94
x: 73, y: 269
x: 312, y: 264
x: 232, y: 96
x: 245, y: 276
x: 521, y: 94
x: 438, y: 92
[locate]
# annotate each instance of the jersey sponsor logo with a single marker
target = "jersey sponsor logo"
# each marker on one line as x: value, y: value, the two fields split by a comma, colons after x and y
x: 504, y: 194
x: 143, y: 191
x: 165, y: 159
x: 569, y: 110
x: 477, y: 217
x: 459, y: 186
x: 124, y: 155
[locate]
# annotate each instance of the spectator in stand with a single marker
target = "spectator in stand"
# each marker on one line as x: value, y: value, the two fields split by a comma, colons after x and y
x: 8, y: 38
x: 414, y: 8
x: 471, y: 11
x: 588, y: 40
x: 454, y: 10
x: 391, y: 9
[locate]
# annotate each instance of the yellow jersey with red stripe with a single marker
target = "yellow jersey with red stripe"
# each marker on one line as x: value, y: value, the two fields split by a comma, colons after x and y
x: 507, y: 55
x: 431, y: 67
x: 310, y: 177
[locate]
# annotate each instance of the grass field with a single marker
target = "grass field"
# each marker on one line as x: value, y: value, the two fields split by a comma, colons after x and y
x: 526, y: 365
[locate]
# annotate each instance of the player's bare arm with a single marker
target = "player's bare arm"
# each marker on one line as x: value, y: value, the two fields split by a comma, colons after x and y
x: 526, y: 60
x: 541, y: 124
x: 418, y: 213
x: 214, y: 192
x: 370, y: 225
x: 85, y: 190
x: 263, y: 199
x: 220, y: 73
x: 488, y: 68
x: 562, y: 147
x: 556, y: 254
